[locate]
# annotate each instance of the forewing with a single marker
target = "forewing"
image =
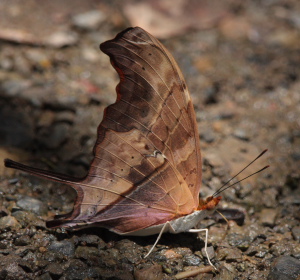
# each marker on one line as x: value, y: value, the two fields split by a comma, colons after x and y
x: 147, y: 166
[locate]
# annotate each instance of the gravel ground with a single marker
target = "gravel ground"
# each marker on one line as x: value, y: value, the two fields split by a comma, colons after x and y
x: 244, y: 77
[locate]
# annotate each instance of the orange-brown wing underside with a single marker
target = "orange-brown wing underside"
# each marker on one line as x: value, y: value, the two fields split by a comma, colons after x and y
x: 147, y: 164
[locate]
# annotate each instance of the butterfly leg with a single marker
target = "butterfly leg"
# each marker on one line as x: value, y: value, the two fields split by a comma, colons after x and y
x: 206, y: 241
x: 163, y: 229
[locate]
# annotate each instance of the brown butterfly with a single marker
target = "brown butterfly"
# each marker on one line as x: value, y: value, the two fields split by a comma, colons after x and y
x: 145, y: 177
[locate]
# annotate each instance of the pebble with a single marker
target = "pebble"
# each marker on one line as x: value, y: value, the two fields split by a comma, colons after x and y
x: 61, y: 39
x: 76, y: 270
x: 296, y: 233
x: 285, y: 268
x: 89, y: 20
x: 210, y: 252
x: 213, y: 159
x: 227, y: 272
x: 45, y: 276
x: 92, y: 240
x: 26, y: 218
x: 65, y: 116
x: 9, y: 222
x: 241, y: 241
x: 208, y: 136
x: 64, y: 247
x: 85, y: 252
x: 55, y: 270
x: 229, y: 254
x: 38, y: 58
x: 15, y: 87
x: 268, y: 217
x: 9, y: 268
x: 153, y: 272
x: 22, y: 240
x: 32, y: 204
x: 191, y: 260
x: 241, y: 134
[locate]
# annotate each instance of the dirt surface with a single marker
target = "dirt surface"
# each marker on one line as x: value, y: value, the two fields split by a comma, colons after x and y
x: 242, y: 68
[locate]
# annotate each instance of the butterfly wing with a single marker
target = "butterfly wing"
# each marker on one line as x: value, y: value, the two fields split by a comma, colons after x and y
x: 147, y: 165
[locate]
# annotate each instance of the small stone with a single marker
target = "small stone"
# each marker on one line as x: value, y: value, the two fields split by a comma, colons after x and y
x: 241, y: 241
x: 210, y: 252
x: 9, y: 222
x: 89, y: 20
x: 55, y: 270
x: 89, y: 239
x: 61, y: 39
x: 32, y: 204
x: 208, y: 136
x: 13, y: 88
x: 45, y: 276
x: 90, y: 54
x: 65, y: 116
x: 22, y: 240
x: 213, y: 159
x: 64, y: 247
x: 26, y: 218
x: 191, y: 260
x: 268, y: 217
x: 241, y: 134
x: 38, y: 58
x: 76, y: 270
x: 285, y: 268
x: 296, y: 233
x: 153, y: 272
x: 84, y: 252
x: 230, y: 254
x: 9, y: 268
x: 171, y: 254
x: 26, y: 265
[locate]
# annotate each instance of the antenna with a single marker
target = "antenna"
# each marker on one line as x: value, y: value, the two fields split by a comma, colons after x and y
x: 223, y: 188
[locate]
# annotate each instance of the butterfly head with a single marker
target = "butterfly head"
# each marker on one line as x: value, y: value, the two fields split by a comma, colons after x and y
x: 209, y: 203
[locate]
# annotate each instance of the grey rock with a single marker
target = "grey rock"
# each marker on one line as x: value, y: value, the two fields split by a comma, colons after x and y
x: 64, y: 247
x: 65, y: 116
x: 285, y: 268
x: 13, y: 88
x: 54, y: 270
x: 89, y: 239
x: 34, y: 205
x: 208, y: 136
x: 296, y: 233
x: 268, y: 217
x: 76, y: 270
x: 191, y: 260
x: 230, y: 254
x: 22, y: 240
x: 61, y: 39
x: 89, y: 20
x: 241, y: 134
x: 241, y: 241
x: 153, y: 272
x: 45, y: 276
x: 26, y: 218
x: 10, y: 269
x: 9, y: 222
x: 84, y: 252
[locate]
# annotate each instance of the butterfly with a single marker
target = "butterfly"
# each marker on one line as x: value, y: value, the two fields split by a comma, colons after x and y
x: 145, y: 176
